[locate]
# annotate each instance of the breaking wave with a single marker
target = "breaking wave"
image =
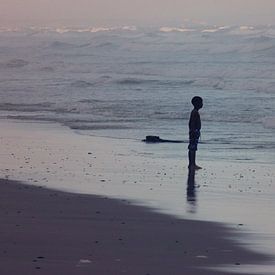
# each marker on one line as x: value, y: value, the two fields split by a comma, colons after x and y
x: 61, y: 45
x: 33, y: 107
x: 67, y: 30
x: 173, y: 29
x: 136, y: 81
x: 81, y: 84
x: 16, y: 63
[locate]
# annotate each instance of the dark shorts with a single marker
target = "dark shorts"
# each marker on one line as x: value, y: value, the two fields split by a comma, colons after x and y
x: 193, y: 140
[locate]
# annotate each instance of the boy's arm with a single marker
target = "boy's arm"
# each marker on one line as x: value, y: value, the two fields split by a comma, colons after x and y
x: 192, y: 123
x: 193, y: 130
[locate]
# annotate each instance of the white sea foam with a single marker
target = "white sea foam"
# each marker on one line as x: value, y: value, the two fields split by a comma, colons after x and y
x: 7, y: 29
x: 224, y: 28
x: 67, y: 29
x: 189, y: 27
x: 174, y: 29
x: 62, y: 30
x: 94, y: 29
x: 246, y: 30
x: 217, y: 29
x: 211, y: 30
x: 129, y: 28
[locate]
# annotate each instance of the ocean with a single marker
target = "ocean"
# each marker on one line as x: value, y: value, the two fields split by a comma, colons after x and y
x: 111, y: 87
x: 127, y: 82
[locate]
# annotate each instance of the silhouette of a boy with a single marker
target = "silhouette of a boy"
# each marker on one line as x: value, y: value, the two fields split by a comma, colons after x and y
x: 194, y: 132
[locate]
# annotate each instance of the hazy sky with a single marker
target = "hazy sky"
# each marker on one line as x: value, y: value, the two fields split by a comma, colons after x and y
x: 135, y: 12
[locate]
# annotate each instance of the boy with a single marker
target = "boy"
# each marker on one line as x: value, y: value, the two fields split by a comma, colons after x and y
x: 194, y: 132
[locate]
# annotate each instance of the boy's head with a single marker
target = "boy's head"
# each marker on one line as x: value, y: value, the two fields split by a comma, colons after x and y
x: 197, y: 102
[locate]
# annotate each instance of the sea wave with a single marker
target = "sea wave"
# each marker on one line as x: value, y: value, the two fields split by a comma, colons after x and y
x: 101, y: 126
x: 9, y: 29
x: 81, y: 84
x: 215, y: 83
x: 47, y: 69
x: 163, y: 82
x: 32, y: 107
x: 61, y: 45
x: 90, y: 101
x: 210, y: 30
x: 174, y: 29
x: 133, y: 81
x: 244, y: 30
x: 263, y: 38
x: 105, y: 45
x: 65, y: 29
x: 15, y: 63
x: 30, y: 117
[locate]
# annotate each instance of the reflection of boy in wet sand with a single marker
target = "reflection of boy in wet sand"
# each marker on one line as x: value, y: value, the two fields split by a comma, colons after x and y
x: 194, y: 132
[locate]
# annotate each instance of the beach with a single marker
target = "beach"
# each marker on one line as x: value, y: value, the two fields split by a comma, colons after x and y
x: 75, y: 105
x: 50, y: 232
x: 83, y: 209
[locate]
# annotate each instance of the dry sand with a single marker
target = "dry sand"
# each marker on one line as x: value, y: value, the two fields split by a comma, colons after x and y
x: 50, y: 232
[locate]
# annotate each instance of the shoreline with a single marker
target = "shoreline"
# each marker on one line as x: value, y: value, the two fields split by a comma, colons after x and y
x: 51, y: 232
x: 237, y: 195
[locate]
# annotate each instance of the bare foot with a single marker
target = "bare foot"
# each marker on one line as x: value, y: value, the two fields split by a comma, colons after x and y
x: 194, y: 167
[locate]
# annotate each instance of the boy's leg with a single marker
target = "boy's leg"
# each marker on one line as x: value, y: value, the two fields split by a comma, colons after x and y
x: 193, y: 145
x: 192, y: 158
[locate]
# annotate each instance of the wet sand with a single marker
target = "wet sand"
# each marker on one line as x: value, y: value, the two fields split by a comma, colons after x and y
x: 239, y: 196
x: 45, y: 231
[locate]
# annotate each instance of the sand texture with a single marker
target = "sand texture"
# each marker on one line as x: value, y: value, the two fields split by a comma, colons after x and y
x: 50, y: 232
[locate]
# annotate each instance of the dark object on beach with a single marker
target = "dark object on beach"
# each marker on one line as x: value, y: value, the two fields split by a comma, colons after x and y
x: 157, y: 139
